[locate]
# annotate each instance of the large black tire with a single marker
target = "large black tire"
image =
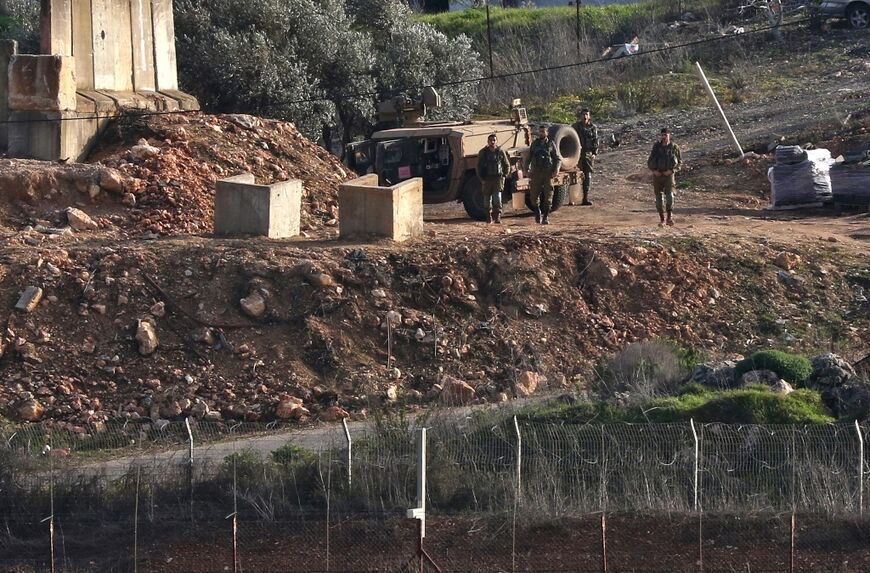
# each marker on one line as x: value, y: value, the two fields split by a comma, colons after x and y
x: 858, y: 15
x: 472, y: 198
x: 568, y: 143
x: 560, y: 197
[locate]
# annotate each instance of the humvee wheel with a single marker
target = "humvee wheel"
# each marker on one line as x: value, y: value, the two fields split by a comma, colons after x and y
x: 472, y: 198
x: 560, y: 197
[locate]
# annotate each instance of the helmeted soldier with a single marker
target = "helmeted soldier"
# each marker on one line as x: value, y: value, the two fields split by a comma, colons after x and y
x: 588, y: 133
x: 492, y: 168
x: 664, y: 160
x: 544, y: 163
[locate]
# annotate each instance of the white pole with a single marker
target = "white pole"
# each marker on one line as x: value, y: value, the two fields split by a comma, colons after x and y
x: 695, y: 480
x: 349, y: 450
x: 860, y: 469
x: 519, y: 459
x: 419, y: 512
x: 719, y: 107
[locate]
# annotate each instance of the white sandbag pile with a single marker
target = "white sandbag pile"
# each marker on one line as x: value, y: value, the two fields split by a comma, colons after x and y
x: 800, y: 176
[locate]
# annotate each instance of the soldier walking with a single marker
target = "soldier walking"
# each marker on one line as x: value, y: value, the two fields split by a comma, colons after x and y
x: 544, y: 163
x: 664, y: 161
x: 588, y: 133
x: 492, y: 168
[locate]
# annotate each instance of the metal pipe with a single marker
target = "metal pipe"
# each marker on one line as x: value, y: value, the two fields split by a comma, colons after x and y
x: 860, y: 469
x: 695, y: 480
x: 349, y: 452
x: 719, y: 107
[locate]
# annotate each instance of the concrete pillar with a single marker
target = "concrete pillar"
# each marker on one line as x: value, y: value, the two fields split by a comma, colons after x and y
x: 242, y: 207
x: 366, y: 209
x: 164, y: 45
x: 144, y: 78
x: 113, y: 41
x: 56, y: 27
x: 83, y: 43
x: 8, y: 48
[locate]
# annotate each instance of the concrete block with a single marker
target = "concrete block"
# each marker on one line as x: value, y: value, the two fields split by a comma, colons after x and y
x: 29, y: 299
x: 52, y: 135
x: 242, y: 207
x: 366, y: 209
x: 42, y: 83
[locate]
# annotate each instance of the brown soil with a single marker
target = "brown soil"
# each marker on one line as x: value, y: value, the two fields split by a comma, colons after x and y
x: 477, y: 302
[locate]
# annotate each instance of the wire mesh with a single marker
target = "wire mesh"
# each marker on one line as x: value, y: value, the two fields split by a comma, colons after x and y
x: 139, y: 498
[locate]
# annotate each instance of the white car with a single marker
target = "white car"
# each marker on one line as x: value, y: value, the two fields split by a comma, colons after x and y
x: 856, y: 11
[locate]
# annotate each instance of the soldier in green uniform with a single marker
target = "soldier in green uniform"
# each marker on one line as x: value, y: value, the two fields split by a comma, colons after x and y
x: 492, y: 168
x: 588, y: 133
x: 664, y: 161
x: 544, y: 163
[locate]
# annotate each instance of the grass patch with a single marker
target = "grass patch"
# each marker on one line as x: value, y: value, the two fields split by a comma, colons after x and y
x: 750, y: 405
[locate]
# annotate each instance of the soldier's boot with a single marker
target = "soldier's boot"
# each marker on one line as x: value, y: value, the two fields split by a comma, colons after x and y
x: 545, y: 214
x: 587, y: 183
x: 537, y: 215
x: 497, y: 217
x: 670, y: 221
x: 489, y: 217
x: 661, y: 219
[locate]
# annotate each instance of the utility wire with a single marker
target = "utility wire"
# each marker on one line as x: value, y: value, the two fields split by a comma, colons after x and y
x: 366, y: 95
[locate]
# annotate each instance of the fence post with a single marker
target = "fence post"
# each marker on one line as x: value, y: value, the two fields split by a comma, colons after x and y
x: 793, y: 533
x: 489, y: 39
x: 695, y: 477
x: 349, y: 452
x: 51, y: 501
x: 860, y: 469
x: 136, y: 522
x: 603, y: 542
x: 519, y: 459
x: 577, y: 26
x: 189, y: 463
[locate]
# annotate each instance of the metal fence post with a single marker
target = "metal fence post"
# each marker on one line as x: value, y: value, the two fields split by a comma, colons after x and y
x: 860, y: 469
x: 695, y: 477
x: 793, y: 534
x: 519, y: 460
x: 349, y: 452
x: 51, y: 508
x: 603, y: 542
x: 190, y: 463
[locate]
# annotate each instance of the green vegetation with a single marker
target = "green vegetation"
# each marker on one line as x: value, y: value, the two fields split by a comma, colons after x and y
x: 749, y: 405
x: 602, y: 20
x: 790, y: 367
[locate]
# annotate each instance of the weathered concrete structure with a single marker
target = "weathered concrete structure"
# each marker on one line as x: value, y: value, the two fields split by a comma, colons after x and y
x: 243, y: 207
x: 99, y: 57
x: 367, y: 209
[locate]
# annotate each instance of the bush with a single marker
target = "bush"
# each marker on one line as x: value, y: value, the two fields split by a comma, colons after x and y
x: 645, y: 370
x: 790, y: 367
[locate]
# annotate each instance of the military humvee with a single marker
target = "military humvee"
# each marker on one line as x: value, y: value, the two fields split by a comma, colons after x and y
x: 444, y: 154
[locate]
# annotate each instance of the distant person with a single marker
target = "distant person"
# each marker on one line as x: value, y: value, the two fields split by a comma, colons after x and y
x: 589, y: 149
x: 544, y: 163
x: 492, y: 168
x: 664, y: 161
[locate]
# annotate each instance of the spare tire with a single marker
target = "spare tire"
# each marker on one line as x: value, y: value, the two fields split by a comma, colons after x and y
x: 568, y: 143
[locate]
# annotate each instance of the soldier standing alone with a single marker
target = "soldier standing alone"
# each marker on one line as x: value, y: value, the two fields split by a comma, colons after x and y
x: 589, y: 149
x: 544, y: 163
x: 664, y: 160
x: 492, y: 168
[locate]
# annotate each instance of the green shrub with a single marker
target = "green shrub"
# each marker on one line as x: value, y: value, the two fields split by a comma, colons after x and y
x: 752, y: 405
x: 249, y: 469
x: 790, y: 367
x: 290, y: 454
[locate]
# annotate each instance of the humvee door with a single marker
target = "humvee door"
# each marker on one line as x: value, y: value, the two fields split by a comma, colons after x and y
x: 397, y: 160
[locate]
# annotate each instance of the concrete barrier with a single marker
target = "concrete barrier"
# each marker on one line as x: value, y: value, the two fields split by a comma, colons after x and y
x: 243, y: 207
x: 42, y: 83
x: 366, y: 209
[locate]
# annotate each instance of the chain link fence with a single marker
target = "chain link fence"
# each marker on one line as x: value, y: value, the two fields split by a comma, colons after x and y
x: 502, y: 495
